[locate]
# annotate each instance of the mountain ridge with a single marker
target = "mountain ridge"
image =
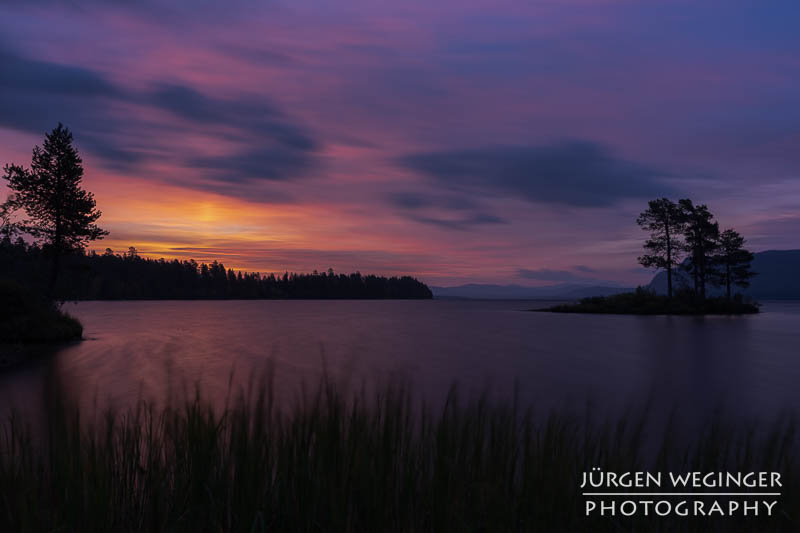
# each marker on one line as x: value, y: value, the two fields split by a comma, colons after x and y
x: 778, y: 277
x: 485, y: 291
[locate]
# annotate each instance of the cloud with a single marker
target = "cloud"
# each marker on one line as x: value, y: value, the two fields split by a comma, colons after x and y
x: 567, y: 276
x: 254, y: 116
x: 572, y: 173
x: 267, y: 145
x: 434, y: 210
x: 35, y: 95
x: 462, y: 223
x: 297, y: 259
x: 415, y: 201
x: 409, y: 200
x: 175, y: 12
x: 19, y: 73
x: 268, y: 163
x: 546, y: 274
x: 778, y: 232
x: 258, y: 55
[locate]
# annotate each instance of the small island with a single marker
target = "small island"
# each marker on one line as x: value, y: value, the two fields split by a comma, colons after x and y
x: 646, y: 302
x: 685, y: 240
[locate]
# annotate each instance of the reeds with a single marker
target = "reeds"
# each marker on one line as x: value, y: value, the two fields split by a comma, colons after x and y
x: 335, y: 461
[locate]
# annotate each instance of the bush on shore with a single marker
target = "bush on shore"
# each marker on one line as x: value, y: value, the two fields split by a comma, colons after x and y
x: 645, y: 302
x: 27, y: 317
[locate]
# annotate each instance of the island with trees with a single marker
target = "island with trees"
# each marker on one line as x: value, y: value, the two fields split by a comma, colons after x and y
x: 47, y: 223
x: 683, y: 239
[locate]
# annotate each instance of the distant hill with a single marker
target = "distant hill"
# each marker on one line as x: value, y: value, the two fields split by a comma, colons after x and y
x: 778, y: 277
x: 565, y: 291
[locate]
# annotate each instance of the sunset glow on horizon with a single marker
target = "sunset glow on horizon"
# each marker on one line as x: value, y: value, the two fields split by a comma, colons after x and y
x: 458, y: 142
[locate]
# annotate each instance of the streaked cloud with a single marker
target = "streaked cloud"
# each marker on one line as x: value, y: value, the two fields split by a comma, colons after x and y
x: 547, y: 274
x: 258, y: 141
x: 573, y: 173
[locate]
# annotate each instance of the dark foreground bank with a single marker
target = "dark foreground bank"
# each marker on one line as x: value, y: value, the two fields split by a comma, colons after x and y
x: 26, y: 317
x: 364, y: 463
x: 646, y: 302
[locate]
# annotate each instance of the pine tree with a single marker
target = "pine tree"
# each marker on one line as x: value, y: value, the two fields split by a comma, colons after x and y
x: 733, y: 261
x: 60, y: 213
x: 702, y: 240
x: 665, y: 222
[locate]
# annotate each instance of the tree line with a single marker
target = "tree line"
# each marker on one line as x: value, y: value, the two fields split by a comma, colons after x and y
x: 684, y: 236
x: 109, y: 275
x: 48, y: 205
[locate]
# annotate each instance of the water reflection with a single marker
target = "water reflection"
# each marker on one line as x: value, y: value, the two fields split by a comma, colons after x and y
x: 159, y: 350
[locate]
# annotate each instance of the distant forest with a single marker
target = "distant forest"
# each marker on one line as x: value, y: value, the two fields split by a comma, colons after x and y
x: 110, y: 276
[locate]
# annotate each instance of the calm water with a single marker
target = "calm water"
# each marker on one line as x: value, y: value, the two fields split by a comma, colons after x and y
x: 157, y: 349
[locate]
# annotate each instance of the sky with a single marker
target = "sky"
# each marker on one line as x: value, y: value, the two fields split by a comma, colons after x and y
x: 470, y: 141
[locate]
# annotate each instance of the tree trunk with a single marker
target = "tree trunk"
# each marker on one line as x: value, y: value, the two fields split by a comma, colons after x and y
x: 728, y: 281
x: 703, y: 286
x: 669, y: 282
x: 702, y: 275
x: 51, y: 288
x: 669, y: 262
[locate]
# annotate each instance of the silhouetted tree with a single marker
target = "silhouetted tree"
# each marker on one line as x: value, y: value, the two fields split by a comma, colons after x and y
x: 60, y: 213
x: 702, y: 240
x: 665, y: 222
x: 733, y: 261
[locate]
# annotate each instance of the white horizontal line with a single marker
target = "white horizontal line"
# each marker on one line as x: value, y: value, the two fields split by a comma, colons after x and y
x: 681, y: 493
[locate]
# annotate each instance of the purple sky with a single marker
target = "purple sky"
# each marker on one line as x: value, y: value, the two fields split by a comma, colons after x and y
x: 470, y: 141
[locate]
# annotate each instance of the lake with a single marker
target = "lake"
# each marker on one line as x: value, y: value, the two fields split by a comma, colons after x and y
x: 160, y: 349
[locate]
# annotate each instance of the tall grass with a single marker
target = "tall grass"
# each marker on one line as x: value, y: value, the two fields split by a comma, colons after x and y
x: 353, y: 462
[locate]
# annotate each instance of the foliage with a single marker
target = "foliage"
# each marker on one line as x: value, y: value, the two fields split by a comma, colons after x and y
x: 27, y: 317
x: 130, y: 276
x: 645, y: 302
